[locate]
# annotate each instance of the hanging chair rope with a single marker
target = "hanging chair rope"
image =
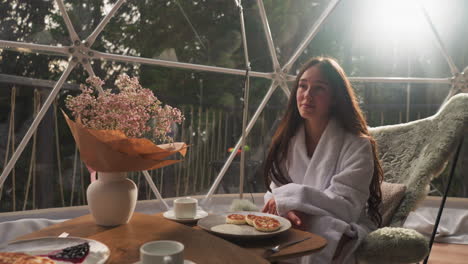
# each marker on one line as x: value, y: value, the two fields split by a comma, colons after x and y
x: 13, y: 174
x: 190, y: 23
x: 138, y: 176
x: 74, y: 175
x: 11, y: 133
x: 57, y: 150
x: 189, y: 154
x: 246, y: 99
x: 37, y: 108
x: 241, y: 144
x: 244, y: 125
x: 32, y: 168
x: 32, y: 161
x: 180, y: 164
x: 83, y: 191
x: 147, y: 189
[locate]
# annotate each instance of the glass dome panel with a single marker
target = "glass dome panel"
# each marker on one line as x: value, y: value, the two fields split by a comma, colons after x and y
x: 31, y: 22
x: 197, y: 32
x: 290, y: 21
x: 370, y: 40
x: 208, y: 33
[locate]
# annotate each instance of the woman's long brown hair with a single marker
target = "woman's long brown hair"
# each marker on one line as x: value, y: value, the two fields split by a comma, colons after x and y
x: 345, y: 109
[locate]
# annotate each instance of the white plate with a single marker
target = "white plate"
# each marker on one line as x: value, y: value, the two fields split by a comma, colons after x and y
x: 186, y: 261
x: 98, y: 252
x: 217, y: 224
x: 200, y: 214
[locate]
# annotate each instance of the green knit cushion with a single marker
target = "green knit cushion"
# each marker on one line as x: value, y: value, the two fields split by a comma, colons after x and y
x: 393, y: 245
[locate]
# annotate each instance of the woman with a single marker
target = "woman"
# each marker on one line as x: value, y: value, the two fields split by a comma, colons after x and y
x: 322, y: 170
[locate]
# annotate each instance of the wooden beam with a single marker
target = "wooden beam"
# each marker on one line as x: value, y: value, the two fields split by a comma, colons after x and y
x: 34, y: 83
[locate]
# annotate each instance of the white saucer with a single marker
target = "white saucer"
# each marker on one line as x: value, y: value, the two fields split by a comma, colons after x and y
x: 186, y: 261
x: 170, y: 215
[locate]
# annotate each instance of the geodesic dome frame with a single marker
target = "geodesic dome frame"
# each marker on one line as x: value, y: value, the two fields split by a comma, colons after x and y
x: 80, y: 52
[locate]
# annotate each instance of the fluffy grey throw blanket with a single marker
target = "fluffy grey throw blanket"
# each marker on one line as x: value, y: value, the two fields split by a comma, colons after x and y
x: 414, y: 153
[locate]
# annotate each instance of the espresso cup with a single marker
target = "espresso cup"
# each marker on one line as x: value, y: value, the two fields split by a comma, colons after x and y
x: 162, y: 252
x: 185, y: 208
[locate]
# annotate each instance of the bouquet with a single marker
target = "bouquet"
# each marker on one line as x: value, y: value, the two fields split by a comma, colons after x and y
x: 120, y: 131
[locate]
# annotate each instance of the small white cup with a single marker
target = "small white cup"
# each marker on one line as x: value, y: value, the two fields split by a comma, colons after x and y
x: 162, y: 252
x: 185, y: 208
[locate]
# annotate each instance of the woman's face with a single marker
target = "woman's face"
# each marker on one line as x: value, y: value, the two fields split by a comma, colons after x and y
x: 313, y: 95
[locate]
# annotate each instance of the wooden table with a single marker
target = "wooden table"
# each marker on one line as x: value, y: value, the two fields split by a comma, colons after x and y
x: 200, y: 246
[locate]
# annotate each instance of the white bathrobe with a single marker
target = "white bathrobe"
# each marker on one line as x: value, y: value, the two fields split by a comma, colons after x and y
x: 331, y: 187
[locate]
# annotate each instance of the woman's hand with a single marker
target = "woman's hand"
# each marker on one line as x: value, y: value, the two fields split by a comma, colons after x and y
x: 297, y: 219
x: 270, y: 207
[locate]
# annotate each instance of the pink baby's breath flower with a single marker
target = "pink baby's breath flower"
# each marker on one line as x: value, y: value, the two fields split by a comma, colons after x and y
x: 136, y: 111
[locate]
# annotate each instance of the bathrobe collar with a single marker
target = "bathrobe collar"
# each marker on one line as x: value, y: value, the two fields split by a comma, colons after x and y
x: 318, y: 169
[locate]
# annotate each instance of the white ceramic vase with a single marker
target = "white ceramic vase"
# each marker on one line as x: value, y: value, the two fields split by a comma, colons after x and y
x: 112, y: 198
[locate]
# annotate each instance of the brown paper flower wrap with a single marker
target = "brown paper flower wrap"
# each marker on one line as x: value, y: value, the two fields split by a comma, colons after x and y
x: 113, y: 151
